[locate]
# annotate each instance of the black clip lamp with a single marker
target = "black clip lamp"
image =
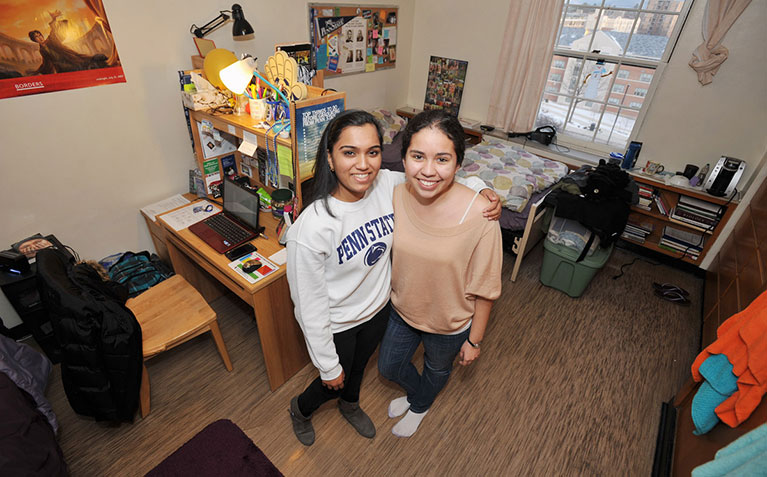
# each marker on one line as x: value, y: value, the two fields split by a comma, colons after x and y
x: 241, y: 26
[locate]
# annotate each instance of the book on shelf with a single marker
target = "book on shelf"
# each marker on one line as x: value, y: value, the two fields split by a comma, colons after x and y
x: 689, y: 253
x: 700, y: 228
x: 702, y: 205
x: 672, y: 242
x: 646, y: 191
x: 633, y: 237
x: 694, y: 219
x: 697, y: 212
x: 662, y: 205
x: 645, y: 202
x: 683, y: 237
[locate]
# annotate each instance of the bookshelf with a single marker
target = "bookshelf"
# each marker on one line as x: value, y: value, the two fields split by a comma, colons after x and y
x: 653, y: 218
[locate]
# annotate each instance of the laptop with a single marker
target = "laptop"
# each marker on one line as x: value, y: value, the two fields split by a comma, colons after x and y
x: 236, y: 224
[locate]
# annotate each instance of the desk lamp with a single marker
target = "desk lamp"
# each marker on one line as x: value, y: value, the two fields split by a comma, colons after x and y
x: 237, y: 76
x: 241, y: 26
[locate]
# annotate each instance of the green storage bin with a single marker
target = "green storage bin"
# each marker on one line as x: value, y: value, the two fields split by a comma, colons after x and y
x: 560, y: 270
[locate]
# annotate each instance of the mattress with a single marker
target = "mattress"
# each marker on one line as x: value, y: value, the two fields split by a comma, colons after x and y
x: 513, y: 173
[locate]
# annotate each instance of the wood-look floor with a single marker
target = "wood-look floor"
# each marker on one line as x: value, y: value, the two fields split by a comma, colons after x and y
x: 563, y: 387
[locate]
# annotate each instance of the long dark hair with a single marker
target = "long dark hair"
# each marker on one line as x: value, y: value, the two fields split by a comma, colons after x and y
x: 441, y: 120
x: 325, y: 180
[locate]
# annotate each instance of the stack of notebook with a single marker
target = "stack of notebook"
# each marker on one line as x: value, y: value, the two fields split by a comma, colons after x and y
x: 676, y: 240
x: 697, y: 212
x: 637, y: 231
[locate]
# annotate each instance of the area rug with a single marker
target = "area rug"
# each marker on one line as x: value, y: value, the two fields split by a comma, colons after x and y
x: 221, y: 449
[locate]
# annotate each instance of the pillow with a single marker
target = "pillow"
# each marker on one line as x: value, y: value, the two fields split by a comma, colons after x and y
x: 391, y: 157
x: 392, y: 124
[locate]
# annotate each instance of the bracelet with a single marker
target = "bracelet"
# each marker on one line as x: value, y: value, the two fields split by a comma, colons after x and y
x: 473, y: 345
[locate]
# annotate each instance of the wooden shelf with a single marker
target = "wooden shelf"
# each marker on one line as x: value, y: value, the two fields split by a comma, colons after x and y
x: 299, y: 142
x: 670, y: 195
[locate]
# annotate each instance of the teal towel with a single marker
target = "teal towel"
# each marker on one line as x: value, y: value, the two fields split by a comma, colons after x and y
x: 719, y: 384
x: 746, y: 455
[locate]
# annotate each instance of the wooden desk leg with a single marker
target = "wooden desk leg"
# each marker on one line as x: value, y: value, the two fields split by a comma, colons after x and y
x: 209, y: 287
x: 282, y: 342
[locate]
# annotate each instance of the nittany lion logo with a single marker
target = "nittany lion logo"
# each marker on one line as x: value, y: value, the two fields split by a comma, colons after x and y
x: 374, y: 253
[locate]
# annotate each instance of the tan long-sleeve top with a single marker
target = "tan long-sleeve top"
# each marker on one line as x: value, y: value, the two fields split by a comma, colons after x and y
x: 438, y: 271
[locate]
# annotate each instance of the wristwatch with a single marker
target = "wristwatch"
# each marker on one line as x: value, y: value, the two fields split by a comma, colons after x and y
x: 473, y: 345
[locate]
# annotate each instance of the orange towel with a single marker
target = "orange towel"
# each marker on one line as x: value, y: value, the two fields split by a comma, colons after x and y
x: 743, y: 339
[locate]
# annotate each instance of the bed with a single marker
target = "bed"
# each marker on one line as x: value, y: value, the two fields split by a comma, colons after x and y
x: 520, y: 179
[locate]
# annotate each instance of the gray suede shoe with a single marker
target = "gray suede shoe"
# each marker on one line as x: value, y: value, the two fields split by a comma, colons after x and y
x: 302, y: 426
x: 357, y: 418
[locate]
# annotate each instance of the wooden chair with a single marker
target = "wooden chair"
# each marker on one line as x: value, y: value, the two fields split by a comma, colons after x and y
x: 170, y: 313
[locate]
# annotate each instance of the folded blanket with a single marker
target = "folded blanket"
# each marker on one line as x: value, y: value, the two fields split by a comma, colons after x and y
x: 746, y: 455
x: 743, y: 339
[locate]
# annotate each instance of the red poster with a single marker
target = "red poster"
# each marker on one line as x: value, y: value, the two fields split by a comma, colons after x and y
x: 53, y: 45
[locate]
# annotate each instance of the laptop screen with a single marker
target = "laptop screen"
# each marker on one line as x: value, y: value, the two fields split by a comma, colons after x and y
x: 241, y: 203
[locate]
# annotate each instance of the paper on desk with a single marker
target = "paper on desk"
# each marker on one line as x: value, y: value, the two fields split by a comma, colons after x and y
x: 153, y: 210
x: 248, y: 148
x: 279, y: 257
x: 182, y: 218
x: 266, y: 268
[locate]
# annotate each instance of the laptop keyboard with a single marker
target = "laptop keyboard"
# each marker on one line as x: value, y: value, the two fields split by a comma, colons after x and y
x: 227, y: 229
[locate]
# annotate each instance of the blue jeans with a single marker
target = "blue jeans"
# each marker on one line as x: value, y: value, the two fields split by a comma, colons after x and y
x: 400, y: 343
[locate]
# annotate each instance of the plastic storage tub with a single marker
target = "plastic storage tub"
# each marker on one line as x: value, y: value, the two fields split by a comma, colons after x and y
x: 560, y: 270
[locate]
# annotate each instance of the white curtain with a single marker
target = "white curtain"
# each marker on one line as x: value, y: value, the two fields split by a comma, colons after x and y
x: 524, y: 63
x: 717, y: 20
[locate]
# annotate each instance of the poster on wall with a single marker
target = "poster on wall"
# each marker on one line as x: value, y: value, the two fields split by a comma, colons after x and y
x: 310, y: 122
x: 55, y: 45
x: 353, y: 39
x: 444, y: 85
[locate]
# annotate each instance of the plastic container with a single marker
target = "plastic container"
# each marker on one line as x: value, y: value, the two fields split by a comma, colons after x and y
x: 560, y: 270
x: 280, y: 199
x: 571, y: 234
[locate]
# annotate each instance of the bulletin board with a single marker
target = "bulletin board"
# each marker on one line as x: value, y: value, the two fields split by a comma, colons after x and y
x: 353, y: 38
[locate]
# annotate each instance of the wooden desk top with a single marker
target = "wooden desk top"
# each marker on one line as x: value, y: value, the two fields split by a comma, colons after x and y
x: 218, y: 264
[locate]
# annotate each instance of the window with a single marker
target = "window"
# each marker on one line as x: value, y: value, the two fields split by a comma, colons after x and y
x: 556, y: 77
x: 599, y: 42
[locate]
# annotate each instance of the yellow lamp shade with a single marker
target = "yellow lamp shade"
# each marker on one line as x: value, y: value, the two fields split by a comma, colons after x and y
x: 215, y: 61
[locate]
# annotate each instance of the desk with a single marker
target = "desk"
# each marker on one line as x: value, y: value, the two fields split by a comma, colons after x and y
x: 282, y: 341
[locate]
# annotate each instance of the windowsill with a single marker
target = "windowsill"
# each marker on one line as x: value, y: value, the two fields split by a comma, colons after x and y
x: 565, y: 154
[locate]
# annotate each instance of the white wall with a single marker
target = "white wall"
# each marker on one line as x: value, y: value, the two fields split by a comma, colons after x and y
x: 80, y: 164
x: 686, y: 122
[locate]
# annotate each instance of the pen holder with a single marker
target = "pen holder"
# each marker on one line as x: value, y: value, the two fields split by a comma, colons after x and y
x: 257, y: 109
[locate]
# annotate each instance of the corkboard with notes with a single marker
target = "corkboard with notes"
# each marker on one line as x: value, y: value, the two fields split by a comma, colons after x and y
x: 353, y: 38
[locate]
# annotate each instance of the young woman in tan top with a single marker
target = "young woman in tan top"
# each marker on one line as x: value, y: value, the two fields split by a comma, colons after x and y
x: 446, y: 268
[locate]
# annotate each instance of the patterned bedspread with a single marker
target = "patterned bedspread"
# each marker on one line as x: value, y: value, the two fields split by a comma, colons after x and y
x: 513, y: 173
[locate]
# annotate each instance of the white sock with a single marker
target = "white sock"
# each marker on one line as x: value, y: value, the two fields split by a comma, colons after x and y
x: 398, y: 407
x: 407, y: 426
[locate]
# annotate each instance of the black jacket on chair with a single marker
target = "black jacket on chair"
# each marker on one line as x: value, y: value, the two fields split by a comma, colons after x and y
x: 101, y: 360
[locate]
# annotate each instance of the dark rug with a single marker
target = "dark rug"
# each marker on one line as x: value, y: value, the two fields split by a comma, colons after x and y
x: 221, y: 449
